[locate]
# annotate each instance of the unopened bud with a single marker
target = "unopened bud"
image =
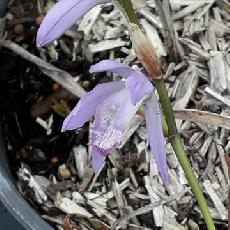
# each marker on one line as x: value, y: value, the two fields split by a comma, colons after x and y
x: 144, y: 51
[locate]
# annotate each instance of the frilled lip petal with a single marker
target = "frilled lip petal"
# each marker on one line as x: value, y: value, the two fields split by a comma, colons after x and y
x: 137, y: 83
x: 156, y: 136
x: 61, y: 17
x: 111, y: 119
x: 87, y: 105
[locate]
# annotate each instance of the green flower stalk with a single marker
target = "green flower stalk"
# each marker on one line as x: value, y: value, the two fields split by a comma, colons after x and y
x: 173, y: 134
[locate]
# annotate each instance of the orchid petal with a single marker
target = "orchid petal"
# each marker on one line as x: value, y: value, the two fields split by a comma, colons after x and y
x: 156, y: 136
x: 97, y: 160
x: 111, y: 119
x: 137, y: 83
x: 138, y: 87
x: 61, y: 17
x: 113, y: 66
x: 87, y: 105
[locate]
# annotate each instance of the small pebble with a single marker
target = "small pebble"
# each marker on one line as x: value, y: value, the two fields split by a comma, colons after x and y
x: 19, y: 29
x: 86, y: 84
x: 63, y: 173
x: 56, y: 87
x: 54, y: 160
x: 39, y: 20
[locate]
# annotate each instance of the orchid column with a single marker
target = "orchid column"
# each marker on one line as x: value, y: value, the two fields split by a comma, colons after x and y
x: 142, y: 47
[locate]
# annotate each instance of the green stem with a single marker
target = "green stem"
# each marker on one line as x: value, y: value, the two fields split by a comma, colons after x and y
x: 166, y: 106
x: 130, y: 13
x: 177, y: 145
x: 174, y: 137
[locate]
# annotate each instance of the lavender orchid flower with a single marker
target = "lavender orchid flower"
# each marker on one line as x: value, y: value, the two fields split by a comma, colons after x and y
x: 113, y: 105
x: 61, y: 17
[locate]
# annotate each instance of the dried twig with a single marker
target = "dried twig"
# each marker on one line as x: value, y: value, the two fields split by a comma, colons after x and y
x: 217, y: 96
x: 60, y: 76
x: 145, y: 209
x: 170, y: 34
x: 203, y: 117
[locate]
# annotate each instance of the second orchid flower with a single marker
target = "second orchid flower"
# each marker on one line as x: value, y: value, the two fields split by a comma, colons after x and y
x: 113, y: 106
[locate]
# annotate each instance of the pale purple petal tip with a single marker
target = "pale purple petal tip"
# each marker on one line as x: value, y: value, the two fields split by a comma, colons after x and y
x: 97, y: 160
x: 137, y: 83
x: 156, y: 136
x: 61, y: 17
x: 73, y: 120
x: 113, y: 66
x: 87, y: 105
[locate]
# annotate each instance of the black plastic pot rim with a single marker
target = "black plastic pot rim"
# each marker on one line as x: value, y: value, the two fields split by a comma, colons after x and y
x: 15, y: 212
